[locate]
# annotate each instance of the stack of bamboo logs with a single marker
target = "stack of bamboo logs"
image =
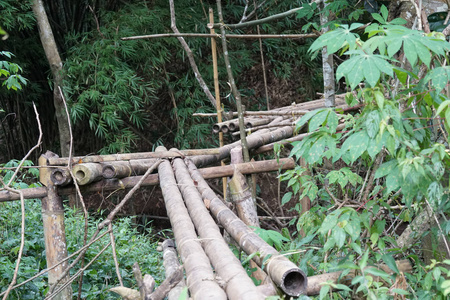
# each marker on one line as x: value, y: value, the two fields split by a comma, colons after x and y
x: 284, y: 116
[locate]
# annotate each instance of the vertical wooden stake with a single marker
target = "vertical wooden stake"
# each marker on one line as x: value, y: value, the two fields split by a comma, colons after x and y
x: 55, y: 237
x: 217, y: 94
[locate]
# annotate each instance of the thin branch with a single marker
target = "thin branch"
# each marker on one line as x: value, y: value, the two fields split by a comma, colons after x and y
x: 216, y: 35
x: 190, y: 56
x: 260, y: 21
x: 440, y: 228
x: 81, y: 271
x: 57, y: 264
x: 69, y: 167
x: 113, y: 247
x: 253, y: 12
x: 22, y: 204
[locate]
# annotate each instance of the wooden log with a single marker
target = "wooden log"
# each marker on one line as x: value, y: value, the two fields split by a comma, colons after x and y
x: 171, y: 264
x: 55, y: 241
x: 129, y: 182
x: 61, y: 161
x: 284, y: 273
x: 87, y: 173
x: 60, y: 177
x: 199, y: 275
x: 227, y: 266
x: 315, y: 282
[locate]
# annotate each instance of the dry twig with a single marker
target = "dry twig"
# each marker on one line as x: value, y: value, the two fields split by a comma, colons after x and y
x: 22, y: 204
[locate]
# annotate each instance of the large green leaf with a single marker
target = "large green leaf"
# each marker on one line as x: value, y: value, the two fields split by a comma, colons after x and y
x: 386, y: 168
x: 355, y: 144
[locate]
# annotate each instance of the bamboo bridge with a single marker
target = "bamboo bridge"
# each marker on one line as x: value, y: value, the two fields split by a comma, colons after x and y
x: 211, y: 270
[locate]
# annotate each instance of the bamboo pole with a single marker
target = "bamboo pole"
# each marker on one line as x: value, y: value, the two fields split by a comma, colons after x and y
x: 171, y: 265
x: 61, y: 161
x: 240, y: 193
x: 199, y: 276
x: 217, y: 94
x: 283, y: 272
x: 227, y: 266
x: 254, y: 141
x: 116, y: 170
x: 152, y: 179
x: 215, y: 35
x: 286, y: 142
x: 87, y: 173
x: 55, y: 240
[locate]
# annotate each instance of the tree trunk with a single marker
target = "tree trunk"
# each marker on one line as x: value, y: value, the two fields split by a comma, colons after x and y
x: 52, y: 54
x: 327, y: 65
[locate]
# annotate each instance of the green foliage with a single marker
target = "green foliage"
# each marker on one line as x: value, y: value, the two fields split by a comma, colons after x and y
x: 391, y: 141
x: 13, y: 80
x: 131, y: 247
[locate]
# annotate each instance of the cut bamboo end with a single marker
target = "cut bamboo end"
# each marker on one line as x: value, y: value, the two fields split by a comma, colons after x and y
x: 60, y: 177
x: 294, y: 282
x: 87, y: 173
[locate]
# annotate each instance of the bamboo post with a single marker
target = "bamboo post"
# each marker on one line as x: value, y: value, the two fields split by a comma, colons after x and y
x: 54, y: 229
x: 171, y: 265
x: 284, y: 273
x: 199, y: 275
x: 240, y: 193
x: 217, y: 94
x: 237, y: 284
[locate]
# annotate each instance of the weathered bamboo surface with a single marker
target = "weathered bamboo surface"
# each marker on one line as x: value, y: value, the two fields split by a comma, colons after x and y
x: 61, y: 161
x: 255, y: 140
x: 199, y: 275
x: 283, y: 272
x: 171, y: 265
x: 237, y: 283
x: 254, y: 119
x: 152, y: 179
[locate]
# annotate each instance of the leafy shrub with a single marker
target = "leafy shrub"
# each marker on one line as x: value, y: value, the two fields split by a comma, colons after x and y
x: 131, y: 246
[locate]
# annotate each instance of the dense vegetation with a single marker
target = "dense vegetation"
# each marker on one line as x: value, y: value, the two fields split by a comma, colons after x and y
x: 387, y: 169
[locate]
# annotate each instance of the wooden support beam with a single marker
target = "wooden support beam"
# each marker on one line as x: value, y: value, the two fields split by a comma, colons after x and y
x: 63, y: 161
x: 129, y: 182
